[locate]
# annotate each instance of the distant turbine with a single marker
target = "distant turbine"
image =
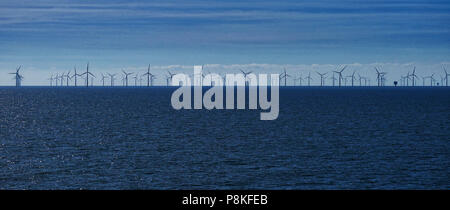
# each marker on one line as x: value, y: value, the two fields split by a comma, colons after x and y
x: 380, y: 76
x: 135, y: 79
x: 171, y: 76
x: 321, y: 77
x: 75, y: 75
x: 249, y: 72
x: 413, y: 76
x: 56, y: 80
x: 431, y: 79
x: 62, y: 79
x: 87, y: 75
x: 148, y: 74
x: 333, y: 78
x: 126, y: 77
x: 67, y: 78
x: 353, y: 77
x: 167, y: 80
x: 360, y: 79
x: 300, y: 79
x: 309, y: 78
x: 18, y: 77
x: 284, y: 76
x: 51, y: 80
x: 340, y: 75
x: 103, y: 79
x: 112, y: 78
x: 446, y: 75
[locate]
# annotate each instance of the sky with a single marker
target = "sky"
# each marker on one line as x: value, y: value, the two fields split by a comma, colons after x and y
x: 53, y: 36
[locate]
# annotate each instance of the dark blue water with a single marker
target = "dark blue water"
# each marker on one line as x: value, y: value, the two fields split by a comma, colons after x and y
x: 100, y: 138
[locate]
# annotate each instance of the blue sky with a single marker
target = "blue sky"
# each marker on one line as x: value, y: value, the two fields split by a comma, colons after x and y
x: 50, y: 35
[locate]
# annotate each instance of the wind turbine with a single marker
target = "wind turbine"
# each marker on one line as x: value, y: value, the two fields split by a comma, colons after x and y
x: 135, y: 79
x: 353, y: 77
x: 309, y: 78
x: 67, y: 78
x: 103, y: 79
x: 383, y: 79
x: 380, y: 76
x: 126, y: 76
x: 75, y: 75
x: 360, y: 79
x: 333, y: 79
x: 87, y: 74
x: 408, y: 77
x: 285, y: 76
x: 140, y: 81
x: 446, y: 75
x: 321, y: 77
x: 148, y: 74
x: 171, y: 76
x: 249, y: 72
x: 51, y: 80
x: 413, y: 76
x: 18, y: 77
x: 404, y: 80
x: 62, y: 79
x: 167, y: 80
x: 112, y: 78
x: 56, y: 80
x: 152, y: 76
x: 300, y: 79
x: 340, y: 75
x: 281, y: 76
x: 431, y: 79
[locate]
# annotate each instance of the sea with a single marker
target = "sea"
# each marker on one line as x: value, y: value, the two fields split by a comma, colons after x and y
x: 132, y: 138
